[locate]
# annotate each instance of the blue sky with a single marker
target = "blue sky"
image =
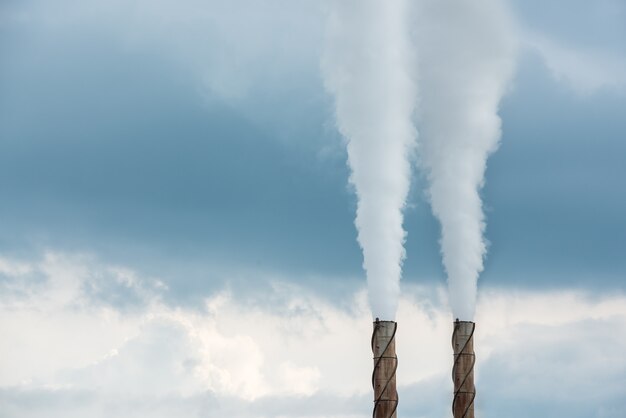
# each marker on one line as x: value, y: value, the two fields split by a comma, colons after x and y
x: 157, y: 157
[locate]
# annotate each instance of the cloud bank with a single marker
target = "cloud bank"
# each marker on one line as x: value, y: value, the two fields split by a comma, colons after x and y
x: 288, y: 352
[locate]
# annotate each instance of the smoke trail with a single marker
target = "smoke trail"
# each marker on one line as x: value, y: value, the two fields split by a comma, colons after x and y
x: 466, y: 57
x: 367, y: 67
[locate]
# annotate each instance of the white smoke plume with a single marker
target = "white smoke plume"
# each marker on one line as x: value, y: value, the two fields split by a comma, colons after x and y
x: 368, y: 68
x: 465, y: 61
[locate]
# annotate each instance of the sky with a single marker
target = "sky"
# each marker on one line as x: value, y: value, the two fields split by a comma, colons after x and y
x: 177, y: 225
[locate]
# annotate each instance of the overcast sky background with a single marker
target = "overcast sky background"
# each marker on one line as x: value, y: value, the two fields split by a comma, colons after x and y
x: 176, y: 226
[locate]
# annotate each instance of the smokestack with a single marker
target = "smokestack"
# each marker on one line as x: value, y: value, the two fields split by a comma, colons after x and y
x: 385, y: 365
x: 463, y: 369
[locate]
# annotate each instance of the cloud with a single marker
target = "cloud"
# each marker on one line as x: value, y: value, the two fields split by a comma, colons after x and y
x: 584, y: 70
x: 580, y: 42
x: 115, y: 85
x: 541, y: 348
x: 230, y: 47
x: 287, y: 352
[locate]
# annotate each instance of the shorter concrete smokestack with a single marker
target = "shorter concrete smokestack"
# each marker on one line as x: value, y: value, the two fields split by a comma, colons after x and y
x: 463, y: 369
x: 385, y: 366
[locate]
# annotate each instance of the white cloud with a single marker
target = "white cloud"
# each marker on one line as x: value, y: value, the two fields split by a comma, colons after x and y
x: 288, y: 353
x: 584, y: 70
x: 13, y: 268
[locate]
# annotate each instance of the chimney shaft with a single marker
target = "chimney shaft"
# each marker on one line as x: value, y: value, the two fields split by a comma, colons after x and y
x: 463, y: 369
x: 385, y: 365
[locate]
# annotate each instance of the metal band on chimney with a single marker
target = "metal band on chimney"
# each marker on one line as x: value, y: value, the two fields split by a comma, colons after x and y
x: 385, y: 366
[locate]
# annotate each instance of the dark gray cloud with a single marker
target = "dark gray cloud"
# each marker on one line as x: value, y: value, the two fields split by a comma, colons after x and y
x: 553, y: 188
x: 144, y: 149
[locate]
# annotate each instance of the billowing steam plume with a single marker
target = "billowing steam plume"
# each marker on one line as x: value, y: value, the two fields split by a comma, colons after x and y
x: 466, y: 57
x: 367, y: 66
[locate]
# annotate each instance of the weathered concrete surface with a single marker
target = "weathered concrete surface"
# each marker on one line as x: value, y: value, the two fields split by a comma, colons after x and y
x: 463, y: 369
x: 385, y: 365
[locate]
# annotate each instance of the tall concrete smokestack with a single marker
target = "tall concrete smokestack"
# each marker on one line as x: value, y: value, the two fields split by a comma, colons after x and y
x: 385, y: 366
x: 463, y: 369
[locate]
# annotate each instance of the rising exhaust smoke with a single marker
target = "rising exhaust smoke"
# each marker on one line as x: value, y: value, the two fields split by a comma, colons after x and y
x: 465, y: 60
x: 367, y: 67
